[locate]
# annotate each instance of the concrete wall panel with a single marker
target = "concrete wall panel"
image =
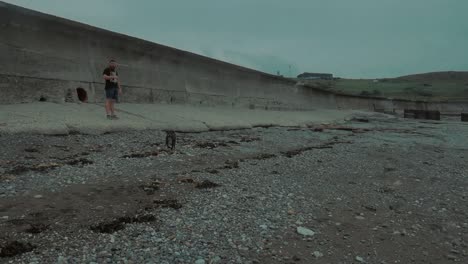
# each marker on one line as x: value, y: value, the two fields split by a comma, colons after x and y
x: 47, y: 56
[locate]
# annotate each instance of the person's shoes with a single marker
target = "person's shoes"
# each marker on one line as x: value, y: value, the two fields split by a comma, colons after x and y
x: 114, y: 117
x: 109, y: 117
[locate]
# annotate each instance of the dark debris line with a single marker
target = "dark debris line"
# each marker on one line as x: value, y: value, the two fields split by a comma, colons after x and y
x: 113, y: 226
x: 15, y: 248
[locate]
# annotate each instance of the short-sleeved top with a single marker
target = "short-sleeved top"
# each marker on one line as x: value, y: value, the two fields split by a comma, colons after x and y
x: 110, y: 84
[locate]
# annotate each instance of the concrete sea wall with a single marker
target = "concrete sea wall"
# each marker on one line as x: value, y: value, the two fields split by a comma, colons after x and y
x: 46, y: 58
x: 49, y: 57
x: 397, y: 105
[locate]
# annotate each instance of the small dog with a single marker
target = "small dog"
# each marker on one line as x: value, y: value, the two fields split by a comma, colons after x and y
x: 171, y: 139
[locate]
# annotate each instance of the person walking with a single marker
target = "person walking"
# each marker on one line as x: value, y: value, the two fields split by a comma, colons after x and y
x: 113, y: 88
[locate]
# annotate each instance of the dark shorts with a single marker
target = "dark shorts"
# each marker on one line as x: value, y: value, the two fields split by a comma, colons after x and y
x: 112, y: 93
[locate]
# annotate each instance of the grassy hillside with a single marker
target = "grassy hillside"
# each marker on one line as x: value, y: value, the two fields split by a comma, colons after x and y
x: 435, y: 86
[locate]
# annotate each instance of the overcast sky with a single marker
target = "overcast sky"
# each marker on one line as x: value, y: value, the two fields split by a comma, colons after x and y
x: 350, y: 38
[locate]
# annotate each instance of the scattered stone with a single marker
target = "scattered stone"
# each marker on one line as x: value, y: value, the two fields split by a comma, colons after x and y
x: 216, y: 259
x: 397, y: 183
x: 7, y: 178
x: 359, y: 259
x: 304, y: 231
x: 252, y: 200
x: 38, y: 196
x: 200, y: 261
x: 61, y: 260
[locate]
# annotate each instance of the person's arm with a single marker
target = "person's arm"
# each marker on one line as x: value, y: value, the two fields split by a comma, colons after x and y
x: 118, y: 82
x: 106, y: 75
x: 110, y: 78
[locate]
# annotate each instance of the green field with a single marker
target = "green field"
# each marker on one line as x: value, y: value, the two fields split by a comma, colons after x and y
x: 428, y: 87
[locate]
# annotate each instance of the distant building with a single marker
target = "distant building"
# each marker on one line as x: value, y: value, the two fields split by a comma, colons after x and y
x: 315, y: 76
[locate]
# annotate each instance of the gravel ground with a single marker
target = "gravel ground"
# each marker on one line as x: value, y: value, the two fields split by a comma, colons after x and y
x: 383, y: 191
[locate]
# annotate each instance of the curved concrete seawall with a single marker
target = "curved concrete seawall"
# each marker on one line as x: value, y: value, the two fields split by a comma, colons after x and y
x: 397, y: 105
x: 50, y: 57
x: 44, y: 57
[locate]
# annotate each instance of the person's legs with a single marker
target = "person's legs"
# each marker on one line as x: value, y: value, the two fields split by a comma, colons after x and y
x: 114, y: 99
x: 112, y: 109
x: 107, y: 103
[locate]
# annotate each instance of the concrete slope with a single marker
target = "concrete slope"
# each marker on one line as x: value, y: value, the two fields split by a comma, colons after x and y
x: 52, y: 118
